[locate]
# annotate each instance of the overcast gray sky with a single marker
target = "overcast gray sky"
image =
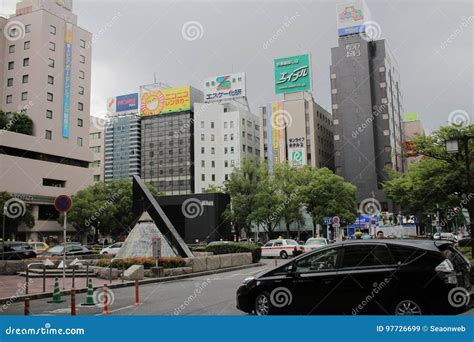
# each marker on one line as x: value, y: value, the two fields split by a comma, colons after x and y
x: 134, y: 39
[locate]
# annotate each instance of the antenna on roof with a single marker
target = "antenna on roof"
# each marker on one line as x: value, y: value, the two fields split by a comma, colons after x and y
x: 154, y: 77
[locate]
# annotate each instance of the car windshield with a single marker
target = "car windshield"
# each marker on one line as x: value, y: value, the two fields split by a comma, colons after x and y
x: 55, y: 249
x: 319, y: 242
x: 291, y: 242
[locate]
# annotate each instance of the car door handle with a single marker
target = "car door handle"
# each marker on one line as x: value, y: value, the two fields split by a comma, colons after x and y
x: 328, y: 281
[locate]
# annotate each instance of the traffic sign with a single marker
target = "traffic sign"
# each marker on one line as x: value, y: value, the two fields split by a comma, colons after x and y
x: 327, y: 220
x: 336, y: 220
x: 63, y: 203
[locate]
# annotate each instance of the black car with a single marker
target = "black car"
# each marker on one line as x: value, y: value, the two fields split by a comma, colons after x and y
x: 395, y: 277
x: 16, y: 250
x: 71, y: 249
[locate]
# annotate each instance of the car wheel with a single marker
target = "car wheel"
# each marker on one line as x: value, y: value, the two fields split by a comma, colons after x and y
x: 408, y: 307
x: 283, y: 255
x: 262, y: 304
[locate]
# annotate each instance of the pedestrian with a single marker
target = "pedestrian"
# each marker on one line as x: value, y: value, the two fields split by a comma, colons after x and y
x: 380, y: 235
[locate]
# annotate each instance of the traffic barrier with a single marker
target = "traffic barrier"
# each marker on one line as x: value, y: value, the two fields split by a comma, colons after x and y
x: 27, y: 306
x: 105, y: 310
x: 73, y: 302
x: 137, y: 293
x: 90, y: 295
x: 56, y: 293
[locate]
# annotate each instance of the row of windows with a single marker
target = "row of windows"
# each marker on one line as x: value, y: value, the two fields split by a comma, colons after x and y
x: 51, y: 64
x: 15, y: 32
x: 213, y: 163
x: 48, y: 135
x: 213, y: 178
x: 231, y: 124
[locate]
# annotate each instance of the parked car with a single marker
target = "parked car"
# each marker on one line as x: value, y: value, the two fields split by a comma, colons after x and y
x: 58, y: 250
x: 39, y: 247
x: 112, y: 249
x: 398, y: 277
x: 281, y: 248
x: 16, y: 250
x: 445, y: 236
x: 315, y: 243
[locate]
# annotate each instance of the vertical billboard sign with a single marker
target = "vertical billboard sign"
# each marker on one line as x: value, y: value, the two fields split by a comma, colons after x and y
x: 292, y: 74
x: 224, y: 87
x: 351, y: 17
x: 155, y: 101
x: 297, y: 152
x: 278, y: 132
x: 269, y: 138
x: 67, y: 81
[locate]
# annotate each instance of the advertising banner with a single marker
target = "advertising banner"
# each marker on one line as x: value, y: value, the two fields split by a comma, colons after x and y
x: 278, y: 132
x: 351, y: 17
x: 297, y: 152
x: 126, y: 103
x: 292, y: 74
x: 67, y: 81
x: 161, y: 101
x: 269, y: 138
x: 224, y: 87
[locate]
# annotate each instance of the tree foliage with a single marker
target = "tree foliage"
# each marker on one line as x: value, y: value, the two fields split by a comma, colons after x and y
x: 16, y: 122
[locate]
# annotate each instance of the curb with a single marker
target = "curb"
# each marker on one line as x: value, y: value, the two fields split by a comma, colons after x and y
x: 15, y: 299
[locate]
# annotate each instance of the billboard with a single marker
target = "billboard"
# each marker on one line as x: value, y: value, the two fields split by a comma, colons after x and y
x: 124, y: 103
x: 296, y: 152
x: 224, y: 87
x: 351, y: 17
x: 67, y: 81
x: 278, y: 132
x: 292, y: 74
x: 155, y: 101
x: 407, y: 117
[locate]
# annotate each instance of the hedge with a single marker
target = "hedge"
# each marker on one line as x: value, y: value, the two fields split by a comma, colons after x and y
x: 236, y: 247
x: 147, y: 262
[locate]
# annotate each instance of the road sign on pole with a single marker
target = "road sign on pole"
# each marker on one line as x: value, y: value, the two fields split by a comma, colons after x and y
x: 63, y: 203
x: 336, y: 220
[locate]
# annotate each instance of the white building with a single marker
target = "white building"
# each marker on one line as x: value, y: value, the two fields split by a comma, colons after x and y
x: 224, y: 135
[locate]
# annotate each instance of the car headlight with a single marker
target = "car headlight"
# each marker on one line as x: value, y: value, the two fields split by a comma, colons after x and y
x: 248, y: 280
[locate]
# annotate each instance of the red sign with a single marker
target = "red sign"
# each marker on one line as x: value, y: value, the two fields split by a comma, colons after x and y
x: 63, y: 203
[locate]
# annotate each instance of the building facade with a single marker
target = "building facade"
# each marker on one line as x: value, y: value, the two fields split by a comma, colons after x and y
x: 367, y: 107
x: 45, y: 72
x: 122, y: 146
x: 96, y: 145
x: 297, y: 130
x: 224, y: 135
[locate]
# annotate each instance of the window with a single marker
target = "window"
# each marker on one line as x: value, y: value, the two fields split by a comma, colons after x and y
x: 51, y: 62
x: 11, y: 49
x: 79, y: 141
x: 81, y: 74
x: 232, y: 149
x: 54, y: 182
x: 26, y: 61
x: 225, y: 150
x: 49, y: 97
x: 366, y: 255
x: 202, y: 137
x: 405, y: 254
x: 26, y: 45
x: 52, y: 46
x: 213, y: 150
x: 80, y: 106
x: 82, y: 59
x: 212, y: 124
x: 11, y: 65
x: 27, y: 28
x: 50, y: 79
x: 212, y: 137
x: 213, y: 163
x: 81, y: 90
x: 82, y: 43
x: 226, y: 163
x: 80, y: 123
x: 25, y: 79
x: 225, y: 124
x: 225, y: 137
x: 231, y: 124
x: 96, y: 136
x: 24, y: 96
x: 203, y: 150
x: 322, y: 261
x: 231, y: 136
x: 202, y: 124
x: 203, y: 177
x: 48, y: 135
x: 96, y: 178
x: 10, y: 82
x: 243, y: 148
x: 9, y: 98
x: 213, y: 178
x: 203, y: 163
x: 52, y: 29
x: 49, y: 114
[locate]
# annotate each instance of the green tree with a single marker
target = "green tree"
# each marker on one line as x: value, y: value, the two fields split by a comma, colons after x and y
x: 16, y: 212
x: 212, y: 188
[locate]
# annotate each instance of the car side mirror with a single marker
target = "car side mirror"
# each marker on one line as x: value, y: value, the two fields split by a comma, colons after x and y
x: 291, y: 269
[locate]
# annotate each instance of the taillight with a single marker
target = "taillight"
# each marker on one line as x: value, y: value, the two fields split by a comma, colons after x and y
x: 446, y: 272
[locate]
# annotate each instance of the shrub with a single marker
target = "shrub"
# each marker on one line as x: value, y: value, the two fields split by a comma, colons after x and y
x: 237, y: 247
x: 171, y: 262
x: 147, y: 262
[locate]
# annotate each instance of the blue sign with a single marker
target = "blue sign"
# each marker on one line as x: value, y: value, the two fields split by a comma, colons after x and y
x: 126, y: 102
x: 327, y: 220
x: 67, y: 89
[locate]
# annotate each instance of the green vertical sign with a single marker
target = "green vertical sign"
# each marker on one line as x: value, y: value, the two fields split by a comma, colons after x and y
x: 292, y: 74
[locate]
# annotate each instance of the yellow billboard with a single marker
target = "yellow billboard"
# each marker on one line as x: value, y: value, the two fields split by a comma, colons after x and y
x: 161, y: 101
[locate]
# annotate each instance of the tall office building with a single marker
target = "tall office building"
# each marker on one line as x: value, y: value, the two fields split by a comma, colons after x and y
x: 224, y: 135
x: 96, y: 145
x: 367, y: 107
x: 45, y: 72
x: 297, y: 130
x: 167, y: 153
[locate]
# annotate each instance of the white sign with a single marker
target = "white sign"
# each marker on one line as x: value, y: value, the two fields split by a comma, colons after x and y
x: 224, y: 87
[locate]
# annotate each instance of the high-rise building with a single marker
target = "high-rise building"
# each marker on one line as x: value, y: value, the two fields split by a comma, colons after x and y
x: 96, y: 145
x: 224, y: 135
x: 45, y: 62
x: 297, y: 130
x: 367, y: 107
x: 167, y: 152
